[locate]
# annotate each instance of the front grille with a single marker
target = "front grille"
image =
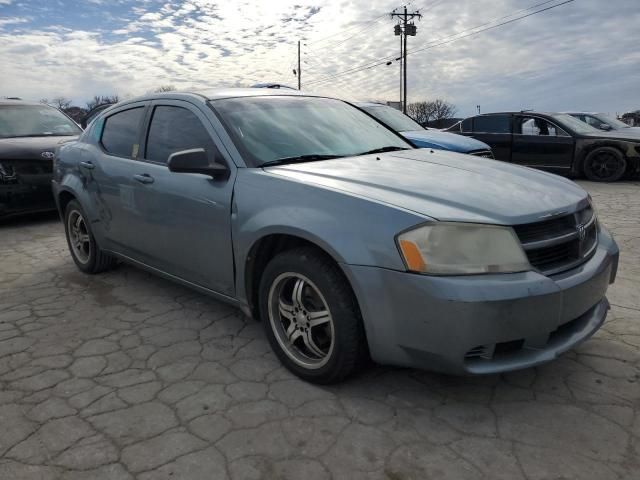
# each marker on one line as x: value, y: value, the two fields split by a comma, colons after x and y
x: 482, y: 153
x: 559, y: 244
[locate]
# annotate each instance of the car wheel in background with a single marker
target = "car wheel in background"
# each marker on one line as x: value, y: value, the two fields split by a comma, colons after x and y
x: 83, y: 247
x: 311, y: 316
x: 605, y: 164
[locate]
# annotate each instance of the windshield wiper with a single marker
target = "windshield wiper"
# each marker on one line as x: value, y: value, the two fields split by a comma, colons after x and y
x: 383, y: 150
x: 299, y: 159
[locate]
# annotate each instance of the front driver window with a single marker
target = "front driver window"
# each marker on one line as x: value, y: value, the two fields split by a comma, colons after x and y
x: 174, y: 129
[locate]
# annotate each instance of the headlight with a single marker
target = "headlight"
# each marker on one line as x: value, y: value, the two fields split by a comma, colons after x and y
x: 462, y: 249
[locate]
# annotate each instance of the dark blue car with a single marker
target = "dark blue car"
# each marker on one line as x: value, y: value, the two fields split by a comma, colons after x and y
x: 422, y: 137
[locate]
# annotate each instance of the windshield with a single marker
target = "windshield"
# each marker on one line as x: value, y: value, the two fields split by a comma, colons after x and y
x: 34, y: 121
x: 269, y: 128
x: 393, y: 118
x: 614, y: 122
x: 574, y: 124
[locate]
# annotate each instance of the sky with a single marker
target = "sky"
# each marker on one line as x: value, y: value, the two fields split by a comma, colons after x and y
x: 584, y: 55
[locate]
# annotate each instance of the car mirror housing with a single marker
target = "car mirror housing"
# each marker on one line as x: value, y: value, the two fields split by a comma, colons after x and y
x: 195, y: 161
x: 604, y: 126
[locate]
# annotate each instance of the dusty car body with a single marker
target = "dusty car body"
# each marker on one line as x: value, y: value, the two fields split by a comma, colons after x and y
x: 26, y: 155
x: 556, y: 142
x: 367, y: 247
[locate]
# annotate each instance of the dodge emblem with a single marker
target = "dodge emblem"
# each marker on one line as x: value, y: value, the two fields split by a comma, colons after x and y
x: 582, y: 231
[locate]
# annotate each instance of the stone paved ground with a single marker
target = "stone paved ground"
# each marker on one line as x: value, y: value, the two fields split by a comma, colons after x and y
x: 124, y: 375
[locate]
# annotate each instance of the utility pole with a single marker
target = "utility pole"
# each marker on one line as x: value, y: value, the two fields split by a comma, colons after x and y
x: 404, y: 29
x: 299, y: 69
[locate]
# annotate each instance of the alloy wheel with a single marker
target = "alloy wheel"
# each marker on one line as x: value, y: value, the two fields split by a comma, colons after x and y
x: 79, y: 236
x: 301, y: 320
x: 604, y: 165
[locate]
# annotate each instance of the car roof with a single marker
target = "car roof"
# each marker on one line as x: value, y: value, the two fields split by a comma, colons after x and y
x: 216, y: 94
x: 13, y: 101
x: 521, y: 112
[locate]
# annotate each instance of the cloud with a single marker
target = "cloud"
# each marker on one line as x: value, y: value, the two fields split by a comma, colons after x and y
x: 580, y: 56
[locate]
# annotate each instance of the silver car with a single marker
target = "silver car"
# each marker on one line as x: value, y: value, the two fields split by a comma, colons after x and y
x: 343, y: 239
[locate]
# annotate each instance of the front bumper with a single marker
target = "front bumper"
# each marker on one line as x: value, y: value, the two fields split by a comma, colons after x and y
x: 485, y: 323
x: 25, y: 192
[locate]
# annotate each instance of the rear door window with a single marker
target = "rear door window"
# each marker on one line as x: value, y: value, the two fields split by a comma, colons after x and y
x: 174, y: 129
x: 121, y: 132
x: 492, y: 124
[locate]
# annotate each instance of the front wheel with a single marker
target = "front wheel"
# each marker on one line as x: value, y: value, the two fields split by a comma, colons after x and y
x: 605, y: 164
x: 83, y: 247
x: 311, y: 316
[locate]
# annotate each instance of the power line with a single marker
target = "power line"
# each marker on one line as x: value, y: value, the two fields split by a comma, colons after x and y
x: 346, y: 30
x: 444, y: 40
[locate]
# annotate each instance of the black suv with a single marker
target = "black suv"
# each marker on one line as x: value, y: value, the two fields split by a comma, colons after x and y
x: 29, y: 135
x: 557, y: 142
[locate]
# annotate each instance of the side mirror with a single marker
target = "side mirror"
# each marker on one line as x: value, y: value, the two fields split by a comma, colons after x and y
x: 605, y: 127
x: 195, y: 161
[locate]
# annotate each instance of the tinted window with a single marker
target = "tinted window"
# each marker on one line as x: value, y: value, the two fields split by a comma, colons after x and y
x: 120, y: 133
x: 174, y: 129
x: 466, y: 125
x: 492, y: 124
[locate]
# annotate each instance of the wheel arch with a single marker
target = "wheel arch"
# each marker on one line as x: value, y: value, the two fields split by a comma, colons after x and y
x: 266, y: 247
x: 586, y: 150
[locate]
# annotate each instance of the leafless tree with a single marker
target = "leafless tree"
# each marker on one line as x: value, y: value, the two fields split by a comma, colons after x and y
x: 427, y: 111
x: 61, y: 103
x: 102, y: 100
x: 44, y: 101
x: 165, y: 88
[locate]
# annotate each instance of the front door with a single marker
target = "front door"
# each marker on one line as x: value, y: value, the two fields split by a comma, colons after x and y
x: 184, y: 219
x: 540, y: 143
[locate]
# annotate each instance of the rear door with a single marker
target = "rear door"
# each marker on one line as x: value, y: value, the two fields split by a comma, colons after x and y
x: 108, y: 176
x: 494, y: 130
x: 539, y: 143
x: 184, y: 220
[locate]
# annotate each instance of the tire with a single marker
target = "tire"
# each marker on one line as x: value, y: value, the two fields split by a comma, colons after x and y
x: 82, y: 244
x: 605, y: 164
x: 303, y: 287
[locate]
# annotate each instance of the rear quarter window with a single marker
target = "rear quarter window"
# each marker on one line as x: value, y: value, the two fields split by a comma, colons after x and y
x: 492, y: 124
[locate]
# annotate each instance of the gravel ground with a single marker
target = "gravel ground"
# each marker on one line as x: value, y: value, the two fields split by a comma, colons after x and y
x: 124, y: 375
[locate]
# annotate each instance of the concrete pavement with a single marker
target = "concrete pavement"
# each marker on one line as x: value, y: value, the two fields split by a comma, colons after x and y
x: 124, y: 375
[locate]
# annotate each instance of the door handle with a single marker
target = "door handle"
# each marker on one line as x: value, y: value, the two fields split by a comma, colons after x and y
x: 87, y: 165
x: 144, y: 178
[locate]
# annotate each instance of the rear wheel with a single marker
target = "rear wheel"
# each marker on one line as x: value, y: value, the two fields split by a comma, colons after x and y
x: 83, y: 247
x: 605, y: 164
x: 311, y: 316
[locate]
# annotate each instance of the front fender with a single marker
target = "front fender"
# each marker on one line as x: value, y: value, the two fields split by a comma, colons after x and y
x: 352, y: 229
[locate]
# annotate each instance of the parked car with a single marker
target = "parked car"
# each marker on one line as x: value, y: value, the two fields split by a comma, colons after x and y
x: 424, y: 137
x: 557, y: 142
x: 341, y: 237
x: 605, y: 122
x: 29, y: 135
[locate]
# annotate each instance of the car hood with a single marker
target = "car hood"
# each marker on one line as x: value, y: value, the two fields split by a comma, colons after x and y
x: 444, y: 185
x: 445, y: 141
x: 31, y: 148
